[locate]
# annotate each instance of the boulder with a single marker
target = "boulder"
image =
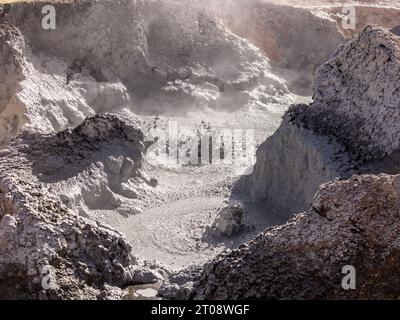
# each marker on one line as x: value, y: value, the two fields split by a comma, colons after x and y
x: 230, y: 219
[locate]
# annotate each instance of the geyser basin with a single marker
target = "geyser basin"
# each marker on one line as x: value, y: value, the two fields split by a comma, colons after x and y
x: 95, y: 188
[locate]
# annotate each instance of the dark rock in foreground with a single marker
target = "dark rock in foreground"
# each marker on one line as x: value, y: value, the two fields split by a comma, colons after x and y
x: 353, y: 222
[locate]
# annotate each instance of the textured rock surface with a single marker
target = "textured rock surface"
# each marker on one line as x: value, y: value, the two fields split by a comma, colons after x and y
x: 352, y: 222
x: 356, y: 94
x: 230, y: 219
x: 296, y: 39
x: 11, y: 57
x: 37, y: 97
x: 174, y: 53
x: 179, y: 285
x: 93, y: 168
x: 299, y: 36
x: 37, y: 229
x: 351, y: 121
x: 291, y: 165
x: 375, y: 13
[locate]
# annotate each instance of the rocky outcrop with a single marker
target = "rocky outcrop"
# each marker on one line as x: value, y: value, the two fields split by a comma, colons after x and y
x: 296, y: 39
x: 39, y: 235
x: 93, y: 167
x: 299, y: 36
x: 174, y: 54
x: 11, y: 113
x: 375, y: 13
x: 292, y: 164
x: 51, y: 183
x: 356, y: 94
x: 229, y: 220
x: 48, y: 183
x: 352, y: 222
x: 179, y: 285
x: 350, y: 125
x: 37, y: 97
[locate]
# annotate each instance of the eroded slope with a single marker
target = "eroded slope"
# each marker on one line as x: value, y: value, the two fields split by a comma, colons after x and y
x: 351, y: 122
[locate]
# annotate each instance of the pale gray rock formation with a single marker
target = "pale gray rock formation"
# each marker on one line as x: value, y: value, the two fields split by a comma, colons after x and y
x: 179, y: 285
x: 175, y: 56
x: 36, y: 97
x: 291, y: 165
x: 94, y: 167
x: 349, y: 128
x: 230, y: 219
x: 91, y: 171
x: 356, y: 94
x: 295, y: 38
x: 350, y: 222
x: 42, y: 180
x: 36, y: 231
x: 299, y: 36
x: 11, y: 74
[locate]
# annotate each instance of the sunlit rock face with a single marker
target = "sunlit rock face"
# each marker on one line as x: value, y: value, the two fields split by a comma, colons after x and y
x: 356, y: 94
x: 175, y: 57
x: 351, y: 122
x: 11, y: 112
x: 299, y: 36
x: 296, y: 39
